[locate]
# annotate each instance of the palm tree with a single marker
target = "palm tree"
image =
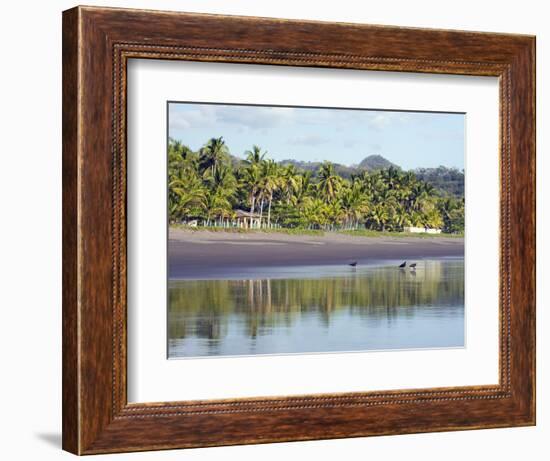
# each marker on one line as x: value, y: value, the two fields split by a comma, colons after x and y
x: 253, y: 174
x: 452, y: 214
x: 303, y: 191
x: 398, y: 217
x: 217, y: 205
x: 223, y: 178
x: 178, y: 155
x: 254, y: 156
x: 329, y: 182
x: 187, y: 196
x: 251, y: 181
x: 312, y: 212
x: 354, y: 204
x: 333, y: 212
x: 222, y: 186
x: 428, y: 189
x: 270, y: 182
x: 391, y: 177
x: 289, y: 179
x: 306, y: 184
x: 213, y: 153
x: 377, y: 217
x: 408, y: 179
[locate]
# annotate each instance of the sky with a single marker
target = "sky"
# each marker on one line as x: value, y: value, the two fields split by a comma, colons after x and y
x: 408, y: 139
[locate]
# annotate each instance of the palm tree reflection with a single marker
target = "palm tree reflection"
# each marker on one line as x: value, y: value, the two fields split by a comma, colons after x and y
x: 205, y: 308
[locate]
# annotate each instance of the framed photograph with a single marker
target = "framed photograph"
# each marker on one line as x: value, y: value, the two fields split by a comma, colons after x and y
x: 281, y: 230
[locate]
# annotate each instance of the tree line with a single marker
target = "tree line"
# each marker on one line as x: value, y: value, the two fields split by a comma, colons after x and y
x: 210, y: 185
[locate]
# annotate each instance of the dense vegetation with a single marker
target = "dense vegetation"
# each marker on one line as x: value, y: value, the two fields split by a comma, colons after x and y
x: 210, y: 185
x: 449, y: 180
x: 370, y: 163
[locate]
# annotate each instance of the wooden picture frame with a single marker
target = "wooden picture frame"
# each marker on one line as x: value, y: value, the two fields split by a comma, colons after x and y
x: 97, y: 43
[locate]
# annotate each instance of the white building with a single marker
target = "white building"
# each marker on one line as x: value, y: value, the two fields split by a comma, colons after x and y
x: 421, y: 230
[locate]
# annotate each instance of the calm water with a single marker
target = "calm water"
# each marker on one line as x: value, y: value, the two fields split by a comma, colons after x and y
x: 319, y: 309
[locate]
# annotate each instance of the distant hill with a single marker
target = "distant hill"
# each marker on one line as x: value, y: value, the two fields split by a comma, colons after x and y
x: 370, y: 163
x: 375, y: 162
x: 305, y: 166
x: 449, y: 180
x: 235, y: 161
x: 342, y: 170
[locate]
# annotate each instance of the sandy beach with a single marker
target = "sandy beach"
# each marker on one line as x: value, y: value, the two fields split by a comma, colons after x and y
x: 198, y: 254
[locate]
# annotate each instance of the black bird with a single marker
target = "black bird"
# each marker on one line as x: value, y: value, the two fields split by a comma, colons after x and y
x: 401, y: 266
x: 353, y: 264
x: 413, y: 266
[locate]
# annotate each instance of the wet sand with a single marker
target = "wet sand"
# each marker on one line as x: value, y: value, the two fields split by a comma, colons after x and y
x: 197, y: 254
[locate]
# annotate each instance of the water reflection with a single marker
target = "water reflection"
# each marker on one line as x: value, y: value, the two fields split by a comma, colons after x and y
x: 358, y: 309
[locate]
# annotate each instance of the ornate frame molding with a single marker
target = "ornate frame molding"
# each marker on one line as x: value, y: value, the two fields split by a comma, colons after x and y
x: 97, y: 45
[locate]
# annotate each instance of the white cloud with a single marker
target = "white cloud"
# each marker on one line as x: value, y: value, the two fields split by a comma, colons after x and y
x: 380, y: 120
x: 188, y: 116
x: 254, y: 118
x: 184, y: 116
x: 308, y: 140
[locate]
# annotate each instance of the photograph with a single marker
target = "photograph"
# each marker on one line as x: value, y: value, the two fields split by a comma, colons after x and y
x: 295, y: 230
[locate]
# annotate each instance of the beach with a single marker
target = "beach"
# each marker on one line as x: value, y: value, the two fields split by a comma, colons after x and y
x: 204, y: 254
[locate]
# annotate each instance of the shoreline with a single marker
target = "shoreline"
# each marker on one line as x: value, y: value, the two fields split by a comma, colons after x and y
x: 309, y: 232
x: 201, y: 253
